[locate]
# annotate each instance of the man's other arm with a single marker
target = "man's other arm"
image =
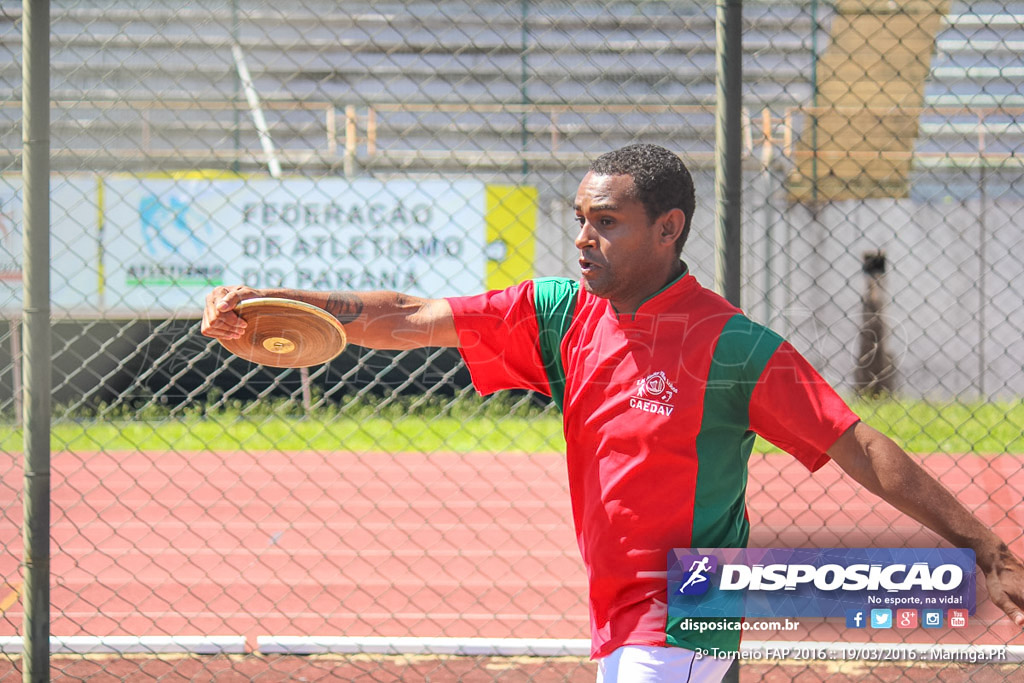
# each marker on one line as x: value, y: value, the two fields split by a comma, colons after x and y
x: 882, y: 467
x: 376, y: 320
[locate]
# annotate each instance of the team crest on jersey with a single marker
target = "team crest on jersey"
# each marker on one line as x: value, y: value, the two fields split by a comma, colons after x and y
x: 654, y: 394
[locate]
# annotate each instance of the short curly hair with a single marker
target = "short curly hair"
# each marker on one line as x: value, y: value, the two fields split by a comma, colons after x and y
x: 661, y: 180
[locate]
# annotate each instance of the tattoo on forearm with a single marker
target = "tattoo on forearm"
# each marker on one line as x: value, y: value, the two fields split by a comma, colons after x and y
x: 344, y: 307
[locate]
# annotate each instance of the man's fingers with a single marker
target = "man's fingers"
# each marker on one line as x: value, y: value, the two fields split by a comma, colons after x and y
x: 219, y: 319
x: 227, y: 325
x: 1013, y: 605
x: 1013, y: 611
x: 1009, y: 603
x: 228, y: 297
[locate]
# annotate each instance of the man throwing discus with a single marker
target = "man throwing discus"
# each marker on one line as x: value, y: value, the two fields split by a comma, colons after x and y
x: 663, y: 385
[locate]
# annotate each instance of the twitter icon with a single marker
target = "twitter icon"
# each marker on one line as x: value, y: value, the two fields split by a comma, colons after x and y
x: 881, y: 618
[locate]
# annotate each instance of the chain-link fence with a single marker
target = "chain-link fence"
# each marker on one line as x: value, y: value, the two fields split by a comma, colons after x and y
x: 372, y: 514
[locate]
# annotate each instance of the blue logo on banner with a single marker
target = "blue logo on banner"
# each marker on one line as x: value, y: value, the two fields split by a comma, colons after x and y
x: 697, y: 579
x: 856, y: 618
x: 825, y: 582
x: 166, y: 228
x: 931, y: 618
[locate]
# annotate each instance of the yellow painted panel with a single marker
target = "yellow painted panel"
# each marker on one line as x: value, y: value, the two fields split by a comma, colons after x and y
x: 200, y: 174
x: 511, y: 234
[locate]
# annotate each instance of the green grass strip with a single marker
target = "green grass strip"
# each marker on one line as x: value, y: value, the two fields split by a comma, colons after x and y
x: 468, y: 424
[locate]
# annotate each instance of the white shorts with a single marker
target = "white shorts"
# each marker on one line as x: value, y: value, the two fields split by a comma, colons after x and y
x: 652, y: 664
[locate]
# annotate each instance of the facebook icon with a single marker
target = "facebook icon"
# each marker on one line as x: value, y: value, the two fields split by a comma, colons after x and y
x: 856, y: 618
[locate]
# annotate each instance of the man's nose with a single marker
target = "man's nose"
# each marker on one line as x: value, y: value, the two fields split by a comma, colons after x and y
x: 585, y: 237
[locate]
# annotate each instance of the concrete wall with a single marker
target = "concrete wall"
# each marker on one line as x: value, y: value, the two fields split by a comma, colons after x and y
x: 954, y: 310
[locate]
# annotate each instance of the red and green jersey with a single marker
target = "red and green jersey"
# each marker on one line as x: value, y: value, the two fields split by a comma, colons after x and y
x: 660, y: 411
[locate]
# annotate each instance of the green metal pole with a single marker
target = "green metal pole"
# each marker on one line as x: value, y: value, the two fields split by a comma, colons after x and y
x: 982, y: 263
x: 728, y: 147
x: 524, y: 37
x: 36, y: 316
x: 814, y: 102
x: 728, y: 164
x: 236, y: 165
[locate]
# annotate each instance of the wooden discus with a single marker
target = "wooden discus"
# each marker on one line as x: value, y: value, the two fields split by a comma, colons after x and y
x: 282, y: 333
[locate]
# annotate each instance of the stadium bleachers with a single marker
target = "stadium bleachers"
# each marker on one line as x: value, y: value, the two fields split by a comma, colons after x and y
x: 452, y: 83
x: 157, y: 83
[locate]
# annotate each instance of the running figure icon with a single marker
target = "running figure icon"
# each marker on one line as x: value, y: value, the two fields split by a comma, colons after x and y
x: 697, y: 571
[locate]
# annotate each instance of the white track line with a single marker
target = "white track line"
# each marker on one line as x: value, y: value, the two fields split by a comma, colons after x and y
x: 479, y: 647
x: 82, y: 645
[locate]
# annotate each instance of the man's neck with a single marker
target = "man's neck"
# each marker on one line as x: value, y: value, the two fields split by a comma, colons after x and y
x: 631, y: 306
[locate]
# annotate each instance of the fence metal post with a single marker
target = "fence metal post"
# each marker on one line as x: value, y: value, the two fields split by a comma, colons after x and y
x: 524, y: 43
x: 728, y: 146
x: 16, y: 389
x: 982, y: 261
x: 36, y: 315
x: 728, y: 164
x: 767, y: 152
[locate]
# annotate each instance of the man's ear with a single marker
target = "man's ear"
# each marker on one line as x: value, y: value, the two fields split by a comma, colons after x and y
x: 671, y: 225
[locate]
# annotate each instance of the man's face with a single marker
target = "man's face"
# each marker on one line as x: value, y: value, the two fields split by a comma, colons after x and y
x: 618, y: 244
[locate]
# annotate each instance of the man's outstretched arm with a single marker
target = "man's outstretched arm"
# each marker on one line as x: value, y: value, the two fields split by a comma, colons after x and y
x: 376, y: 320
x: 882, y: 467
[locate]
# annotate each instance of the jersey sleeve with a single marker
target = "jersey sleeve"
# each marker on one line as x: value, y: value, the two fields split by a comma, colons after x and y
x: 793, y: 407
x: 499, y: 339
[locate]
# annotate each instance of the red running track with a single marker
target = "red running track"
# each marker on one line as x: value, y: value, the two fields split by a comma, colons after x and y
x: 409, y: 544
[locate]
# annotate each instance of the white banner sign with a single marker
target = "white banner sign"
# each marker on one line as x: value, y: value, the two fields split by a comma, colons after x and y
x: 74, y: 246
x: 168, y: 241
